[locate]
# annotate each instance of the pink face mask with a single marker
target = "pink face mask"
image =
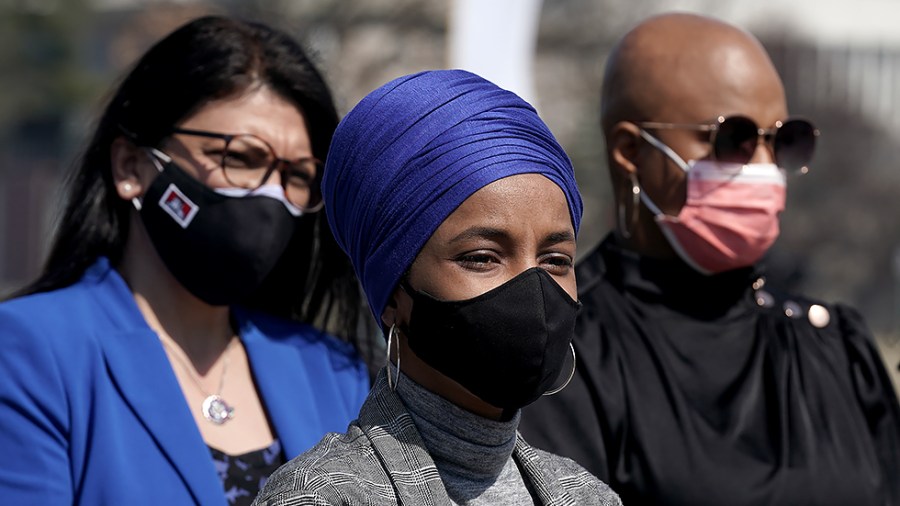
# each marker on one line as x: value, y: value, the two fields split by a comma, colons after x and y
x: 730, y: 218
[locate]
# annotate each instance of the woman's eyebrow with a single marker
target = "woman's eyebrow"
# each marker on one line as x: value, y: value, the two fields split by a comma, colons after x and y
x: 558, y: 237
x: 492, y: 233
x: 498, y: 234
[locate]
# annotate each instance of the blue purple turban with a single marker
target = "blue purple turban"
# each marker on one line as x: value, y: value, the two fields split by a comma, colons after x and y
x: 412, y: 151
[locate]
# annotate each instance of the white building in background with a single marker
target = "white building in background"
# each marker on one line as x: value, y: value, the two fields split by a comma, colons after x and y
x: 496, y: 39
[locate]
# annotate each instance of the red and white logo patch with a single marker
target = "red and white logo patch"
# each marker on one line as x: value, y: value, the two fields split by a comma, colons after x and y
x: 178, y: 206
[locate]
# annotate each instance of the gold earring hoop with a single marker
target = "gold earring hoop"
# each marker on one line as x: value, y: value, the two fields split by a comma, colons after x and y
x: 569, y: 379
x: 625, y: 230
x: 635, y: 192
x: 391, y: 333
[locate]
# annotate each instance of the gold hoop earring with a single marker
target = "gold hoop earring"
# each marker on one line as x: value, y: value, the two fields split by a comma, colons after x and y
x: 571, y: 374
x: 391, y: 333
x: 635, y: 192
x: 625, y: 230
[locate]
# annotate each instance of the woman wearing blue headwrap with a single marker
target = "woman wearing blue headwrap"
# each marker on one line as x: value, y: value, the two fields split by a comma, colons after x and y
x: 459, y: 211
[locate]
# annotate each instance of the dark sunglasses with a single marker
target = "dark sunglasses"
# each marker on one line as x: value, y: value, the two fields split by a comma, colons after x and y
x: 734, y: 139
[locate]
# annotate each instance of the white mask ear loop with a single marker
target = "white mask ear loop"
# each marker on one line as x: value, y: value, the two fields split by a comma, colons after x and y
x: 155, y: 156
x: 660, y: 145
x: 669, y: 152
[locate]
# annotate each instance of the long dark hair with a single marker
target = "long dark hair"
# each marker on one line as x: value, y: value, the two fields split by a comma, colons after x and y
x: 207, y: 59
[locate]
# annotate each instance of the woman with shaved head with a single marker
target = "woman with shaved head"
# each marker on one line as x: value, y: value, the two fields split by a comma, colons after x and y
x: 698, y: 384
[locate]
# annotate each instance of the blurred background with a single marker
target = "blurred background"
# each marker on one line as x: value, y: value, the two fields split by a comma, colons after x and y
x: 840, y: 62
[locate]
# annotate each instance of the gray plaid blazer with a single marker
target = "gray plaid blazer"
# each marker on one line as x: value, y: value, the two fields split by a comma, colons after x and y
x: 381, y: 460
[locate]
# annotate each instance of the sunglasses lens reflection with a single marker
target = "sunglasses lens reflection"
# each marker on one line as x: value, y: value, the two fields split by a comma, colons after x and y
x: 737, y: 138
x: 795, y: 143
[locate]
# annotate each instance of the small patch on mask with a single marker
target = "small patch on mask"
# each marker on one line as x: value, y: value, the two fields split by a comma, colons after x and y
x: 178, y: 206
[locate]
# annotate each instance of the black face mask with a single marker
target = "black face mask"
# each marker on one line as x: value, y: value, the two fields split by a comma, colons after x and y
x: 220, y: 248
x: 507, y: 346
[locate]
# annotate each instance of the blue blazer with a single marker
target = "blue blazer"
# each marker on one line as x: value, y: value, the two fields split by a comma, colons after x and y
x: 91, y: 412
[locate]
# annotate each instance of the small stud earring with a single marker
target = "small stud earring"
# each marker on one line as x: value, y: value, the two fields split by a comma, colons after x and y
x: 126, y: 187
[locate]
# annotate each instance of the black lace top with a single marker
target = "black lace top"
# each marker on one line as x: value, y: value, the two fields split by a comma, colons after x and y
x: 243, y: 476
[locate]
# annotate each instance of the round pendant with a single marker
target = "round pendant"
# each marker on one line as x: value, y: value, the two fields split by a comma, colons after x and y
x: 216, y: 410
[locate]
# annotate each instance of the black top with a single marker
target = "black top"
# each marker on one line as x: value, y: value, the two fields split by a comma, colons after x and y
x: 696, y: 390
x: 243, y: 476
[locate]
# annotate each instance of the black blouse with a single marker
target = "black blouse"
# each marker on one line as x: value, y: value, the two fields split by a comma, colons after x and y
x: 243, y: 476
x: 710, y: 390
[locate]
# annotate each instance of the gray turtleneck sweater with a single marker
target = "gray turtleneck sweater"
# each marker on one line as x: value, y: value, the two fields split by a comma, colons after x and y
x: 472, y: 454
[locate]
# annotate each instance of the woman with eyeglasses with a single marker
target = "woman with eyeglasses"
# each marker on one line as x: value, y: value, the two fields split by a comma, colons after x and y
x: 167, y: 354
x: 459, y: 211
x: 700, y: 381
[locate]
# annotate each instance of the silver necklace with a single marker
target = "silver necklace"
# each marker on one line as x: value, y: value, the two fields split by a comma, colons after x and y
x: 214, y: 407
